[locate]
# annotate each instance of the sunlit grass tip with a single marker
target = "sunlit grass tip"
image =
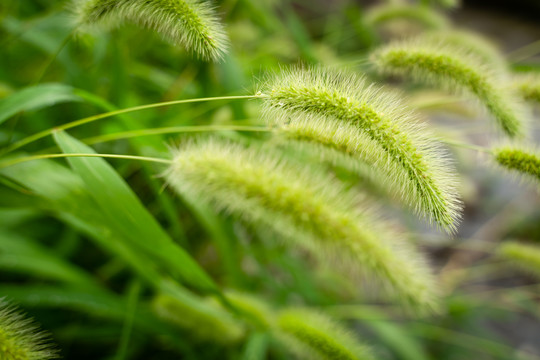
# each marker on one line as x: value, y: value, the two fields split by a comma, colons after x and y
x: 519, y: 160
x: 306, y: 208
x: 193, y: 24
x: 20, y: 337
x: 525, y: 257
x: 456, y: 69
x: 344, y: 112
x: 312, y: 335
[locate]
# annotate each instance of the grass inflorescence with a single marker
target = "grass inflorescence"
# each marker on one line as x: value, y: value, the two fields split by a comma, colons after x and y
x: 519, y: 160
x: 456, y: 69
x: 305, y: 207
x: 344, y: 112
x: 190, y: 23
x: 20, y: 338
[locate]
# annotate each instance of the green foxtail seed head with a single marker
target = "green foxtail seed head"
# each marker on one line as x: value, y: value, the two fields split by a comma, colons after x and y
x: 311, y: 335
x: 455, y: 69
x: 528, y: 86
x: 204, y: 320
x: 20, y: 338
x: 305, y: 207
x: 522, y: 256
x: 422, y: 15
x: 190, y: 23
x: 345, y: 113
x: 476, y: 45
x: 523, y: 161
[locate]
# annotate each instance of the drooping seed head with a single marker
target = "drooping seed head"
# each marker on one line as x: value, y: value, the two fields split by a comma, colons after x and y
x: 455, y: 69
x: 189, y: 23
x: 345, y: 113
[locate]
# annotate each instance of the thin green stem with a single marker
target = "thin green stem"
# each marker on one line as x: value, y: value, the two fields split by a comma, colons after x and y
x: 12, y: 162
x: 466, y: 146
x: 171, y: 130
x: 93, y: 118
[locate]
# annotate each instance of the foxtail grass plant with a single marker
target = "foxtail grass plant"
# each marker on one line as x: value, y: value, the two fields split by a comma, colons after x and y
x: 189, y: 23
x: 20, y: 338
x: 456, y: 69
x: 307, y: 208
x: 525, y: 257
x: 344, y: 112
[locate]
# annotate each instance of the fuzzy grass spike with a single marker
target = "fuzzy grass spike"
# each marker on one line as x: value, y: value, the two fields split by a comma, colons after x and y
x: 522, y: 256
x: 305, y: 207
x: 456, y: 69
x: 190, y: 23
x: 428, y: 18
x: 522, y: 161
x: 311, y: 335
x: 20, y: 338
x: 345, y: 113
x: 476, y: 45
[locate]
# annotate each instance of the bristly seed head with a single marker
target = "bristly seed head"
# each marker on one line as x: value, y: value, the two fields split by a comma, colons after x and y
x: 345, y: 113
x: 454, y: 68
x: 190, y: 23
x: 20, y: 338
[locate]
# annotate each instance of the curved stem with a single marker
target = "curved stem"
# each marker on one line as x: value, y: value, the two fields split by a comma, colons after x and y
x: 466, y: 146
x: 12, y: 162
x: 93, y: 118
x: 171, y: 130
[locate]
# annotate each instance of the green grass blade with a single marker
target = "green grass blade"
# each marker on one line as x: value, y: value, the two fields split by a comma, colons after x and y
x: 35, y: 98
x: 21, y: 255
x: 119, y: 203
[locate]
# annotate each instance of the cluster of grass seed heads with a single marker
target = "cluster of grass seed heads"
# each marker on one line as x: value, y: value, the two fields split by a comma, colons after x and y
x: 344, y: 112
x: 20, y: 338
x: 307, y: 208
x: 456, y: 69
x: 189, y: 23
x: 525, y: 257
x: 518, y: 160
